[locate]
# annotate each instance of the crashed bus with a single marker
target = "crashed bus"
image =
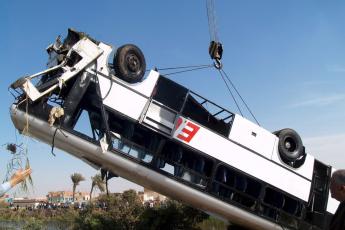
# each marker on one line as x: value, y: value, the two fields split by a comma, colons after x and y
x: 159, y: 134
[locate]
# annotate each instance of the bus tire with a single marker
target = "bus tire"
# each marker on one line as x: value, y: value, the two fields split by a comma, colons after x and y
x: 290, y: 146
x: 129, y: 63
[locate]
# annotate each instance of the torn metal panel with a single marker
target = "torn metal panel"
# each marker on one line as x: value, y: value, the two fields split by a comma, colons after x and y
x: 88, y: 52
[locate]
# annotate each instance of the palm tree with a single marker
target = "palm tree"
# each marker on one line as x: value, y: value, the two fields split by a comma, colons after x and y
x: 76, y: 179
x: 107, y: 175
x: 97, y: 182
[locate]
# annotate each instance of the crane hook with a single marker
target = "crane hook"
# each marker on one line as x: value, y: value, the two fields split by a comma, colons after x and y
x: 216, y: 51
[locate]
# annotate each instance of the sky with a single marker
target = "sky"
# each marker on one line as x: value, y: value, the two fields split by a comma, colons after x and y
x: 286, y: 58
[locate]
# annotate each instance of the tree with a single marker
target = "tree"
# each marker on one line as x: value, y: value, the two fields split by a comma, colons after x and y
x: 76, y: 179
x: 97, y: 182
x: 171, y: 215
x: 125, y: 209
x: 107, y: 175
x: 126, y: 212
x: 122, y: 212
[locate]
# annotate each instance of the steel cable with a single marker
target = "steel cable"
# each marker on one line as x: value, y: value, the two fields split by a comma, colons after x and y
x: 232, y: 95
x: 183, y: 71
x: 245, y: 104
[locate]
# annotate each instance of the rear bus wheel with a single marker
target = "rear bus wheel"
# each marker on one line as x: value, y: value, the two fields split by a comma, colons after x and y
x: 290, y: 145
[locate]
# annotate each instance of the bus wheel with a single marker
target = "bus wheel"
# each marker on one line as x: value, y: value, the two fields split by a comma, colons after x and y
x: 129, y: 63
x: 290, y: 145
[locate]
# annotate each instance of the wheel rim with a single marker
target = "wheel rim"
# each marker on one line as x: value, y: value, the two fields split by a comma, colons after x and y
x: 290, y: 144
x: 133, y: 63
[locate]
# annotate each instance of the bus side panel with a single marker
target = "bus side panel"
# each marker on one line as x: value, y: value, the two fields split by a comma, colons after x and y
x: 252, y: 136
x: 265, y: 143
x: 126, y: 99
x: 242, y: 159
x: 305, y: 170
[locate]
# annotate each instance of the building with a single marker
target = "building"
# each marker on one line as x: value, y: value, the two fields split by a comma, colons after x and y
x: 6, y: 199
x: 28, y: 203
x: 66, y: 197
x: 151, y: 198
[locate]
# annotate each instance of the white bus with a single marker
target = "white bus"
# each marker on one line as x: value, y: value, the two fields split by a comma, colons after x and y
x: 161, y: 135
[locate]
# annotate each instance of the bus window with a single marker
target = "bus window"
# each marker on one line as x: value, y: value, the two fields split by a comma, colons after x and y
x: 197, y: 168
x: 253, y: 188
x: 274, y: 198
x: 233, y: 186
x: 184, y: 163
x: 292, y: 206
x: 224, y: 179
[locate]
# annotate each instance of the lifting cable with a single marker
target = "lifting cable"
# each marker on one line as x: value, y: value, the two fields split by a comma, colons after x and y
x: 212, y: 26
x: 229, y: 89
x: 215, y: 48
x: 216, y: 51
x: 223, y: 73
x: 189, y: 70
x: 183, y: 67
x: 186, y: 69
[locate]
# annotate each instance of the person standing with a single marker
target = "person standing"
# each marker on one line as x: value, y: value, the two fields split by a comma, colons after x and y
x: 337, y: 189
x: 17, y: 178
